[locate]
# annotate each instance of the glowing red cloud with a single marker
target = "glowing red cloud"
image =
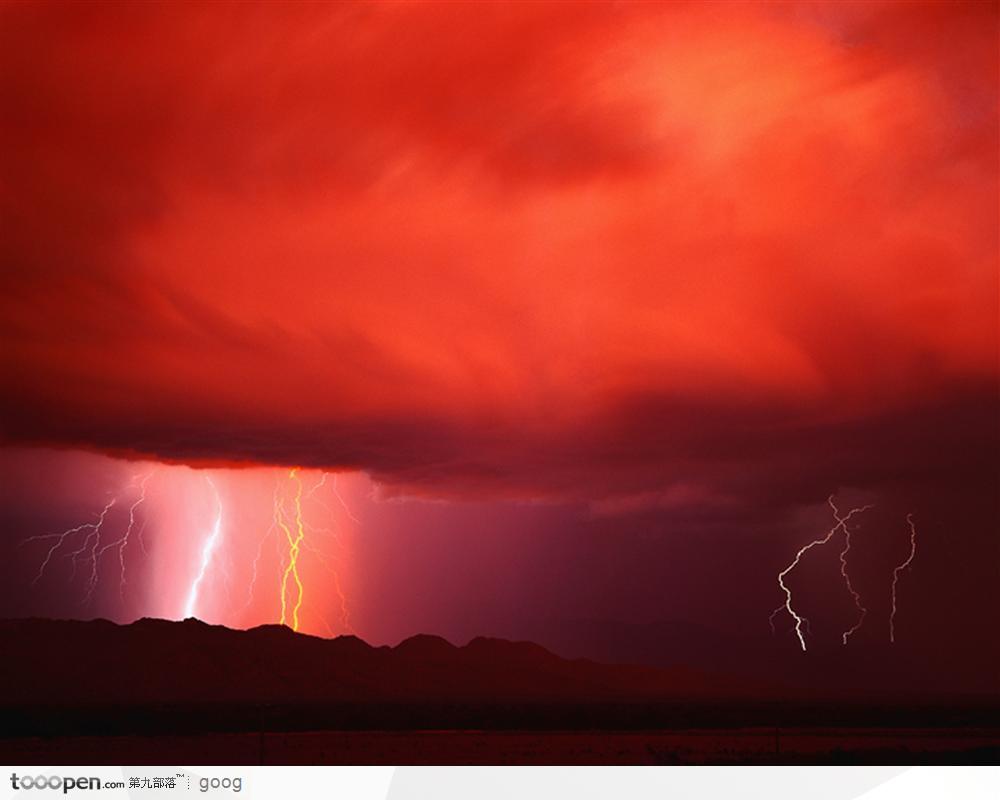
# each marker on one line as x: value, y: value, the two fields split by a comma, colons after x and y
x: 501, y: 249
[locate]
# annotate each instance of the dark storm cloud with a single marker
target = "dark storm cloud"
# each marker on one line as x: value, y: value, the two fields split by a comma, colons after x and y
x: 651, y: 257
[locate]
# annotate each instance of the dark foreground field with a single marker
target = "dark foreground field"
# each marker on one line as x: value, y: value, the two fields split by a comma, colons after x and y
x: 736, y: 746
x: 159, y: 692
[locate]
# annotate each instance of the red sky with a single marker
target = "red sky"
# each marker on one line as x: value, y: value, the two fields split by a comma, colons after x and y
x: 643, y: 257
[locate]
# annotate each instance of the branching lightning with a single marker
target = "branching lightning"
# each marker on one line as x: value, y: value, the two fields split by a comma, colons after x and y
x: 95, y: 534
x: 61, y: 539
x: 345, y: 616
x: 119, y: 522
x: 896, y: 573
x: 294, y: 547
x: 122, y: 543
x: 289, y: 518
x: 319, y: 485
x: 93, y: 547
x: 841, y: 523
x: 336, y: 493
x: 255, y: 566
x: 862, y: 611
x: 344, y: 612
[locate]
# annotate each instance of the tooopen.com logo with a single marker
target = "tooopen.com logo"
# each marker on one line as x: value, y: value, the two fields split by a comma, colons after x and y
x: 58, y: 782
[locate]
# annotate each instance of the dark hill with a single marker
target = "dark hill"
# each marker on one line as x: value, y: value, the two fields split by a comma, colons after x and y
x: 155, y: 676
x: 156, y: 661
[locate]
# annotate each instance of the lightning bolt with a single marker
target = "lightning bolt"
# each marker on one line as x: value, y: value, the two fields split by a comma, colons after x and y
x: 319, y: 485
x: 805, y: 621
x: 291, y: 521
x: 294, y: 547
x: 141, y: 540
x: 61, y: 539
x: 122, y: 520
x: 862, y: 611
x: 336, y: 493
x: 895, y: 576
x: 345, y: 616
x: 93, y: 547
x: 344, y: 612
x: 321, y: 618
x: 95, y: 535
x: 260, y: 551
x: 207, y: 549
x: 841, y: 523
x: 122, y: 543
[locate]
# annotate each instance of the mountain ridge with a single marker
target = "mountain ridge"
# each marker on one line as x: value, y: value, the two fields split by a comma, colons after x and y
x: 189, y: 660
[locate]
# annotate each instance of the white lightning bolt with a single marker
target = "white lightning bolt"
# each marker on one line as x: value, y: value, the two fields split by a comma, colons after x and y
x: 344, y: 612
x: 787, y: 605
x: 93, y: 547
x: 122, y: 543
x: 895, y: 576
x: 325, y: 562
x: 319, y: 485
x: 139, y: 537
x: 770, y: 620
x: 347, y: 510
x: 311, y: 494
x: 207, y: 549
x: 862, y: 611
x: 260, y: 548
x: 256, y: 565
x: 62, y: 537
x: 95, y: 534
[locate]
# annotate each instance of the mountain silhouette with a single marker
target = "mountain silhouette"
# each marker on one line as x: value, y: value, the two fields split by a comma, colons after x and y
x: 159, y: 660
x: 155, y: 676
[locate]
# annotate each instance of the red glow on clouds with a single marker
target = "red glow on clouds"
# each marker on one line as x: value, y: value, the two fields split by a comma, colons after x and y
x: 435, y: 241
x: 617, y: 290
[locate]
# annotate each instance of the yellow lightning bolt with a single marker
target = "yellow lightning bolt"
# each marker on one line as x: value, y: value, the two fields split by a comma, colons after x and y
x: 294, y: 546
